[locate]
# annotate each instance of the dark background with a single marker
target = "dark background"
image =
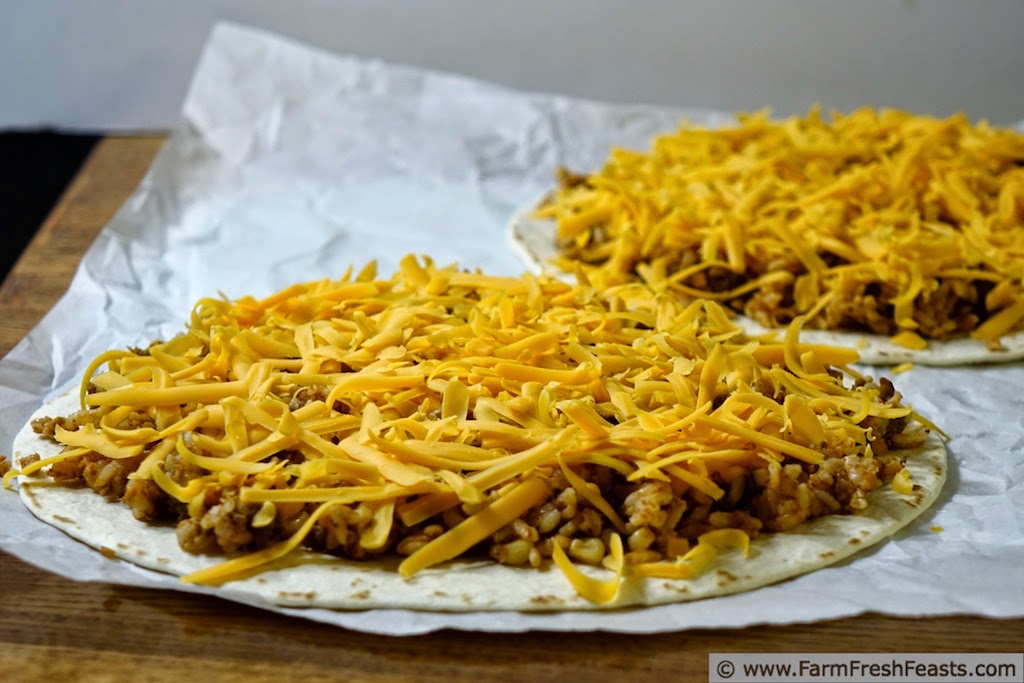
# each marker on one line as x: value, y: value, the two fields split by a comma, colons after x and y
x: 35, y: 168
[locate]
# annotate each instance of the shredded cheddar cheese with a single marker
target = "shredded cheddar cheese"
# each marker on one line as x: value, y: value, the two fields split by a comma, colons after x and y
x: 902, y: 483
x: 439, y: 410
x: 881, y: 221
x: 697, y: 560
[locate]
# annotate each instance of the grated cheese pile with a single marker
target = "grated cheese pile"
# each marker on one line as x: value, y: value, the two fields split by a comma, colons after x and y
x: 878, y: 221
x: 442, y: 390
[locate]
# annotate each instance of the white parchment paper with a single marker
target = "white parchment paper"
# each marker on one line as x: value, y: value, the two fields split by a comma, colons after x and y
x: 291, y: 164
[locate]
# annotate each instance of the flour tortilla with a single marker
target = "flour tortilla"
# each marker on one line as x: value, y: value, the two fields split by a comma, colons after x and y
x: 312, y: 580
x: 534, y: 242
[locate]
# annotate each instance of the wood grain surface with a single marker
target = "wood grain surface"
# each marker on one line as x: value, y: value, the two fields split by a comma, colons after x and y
x: 55, y: 629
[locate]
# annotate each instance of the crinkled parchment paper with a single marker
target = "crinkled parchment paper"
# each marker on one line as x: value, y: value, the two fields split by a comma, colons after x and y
x: 291, y: 164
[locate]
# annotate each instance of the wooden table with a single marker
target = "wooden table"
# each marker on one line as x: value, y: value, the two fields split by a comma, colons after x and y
x: 53, y: 628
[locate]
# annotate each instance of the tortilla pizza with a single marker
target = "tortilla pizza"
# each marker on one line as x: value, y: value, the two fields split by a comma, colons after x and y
x: 448, y: 440
x: 901, y: 234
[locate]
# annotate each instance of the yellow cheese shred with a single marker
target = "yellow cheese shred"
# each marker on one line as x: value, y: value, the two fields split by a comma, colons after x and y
x: 232, y: 568
x: 461, y: 538
x: 910, y: 339
x: 902, y: 483
x: 39, y: 465
x: 698, y: 559
x: 590, y: 587
x: 90, y: 438
x: 592, y: 494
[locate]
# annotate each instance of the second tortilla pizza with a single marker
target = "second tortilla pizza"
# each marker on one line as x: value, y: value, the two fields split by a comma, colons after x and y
x: 898, y: 233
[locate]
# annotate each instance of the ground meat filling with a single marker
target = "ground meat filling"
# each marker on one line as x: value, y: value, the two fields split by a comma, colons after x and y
x: 660, y: 523
x: 953, y: 309
x: 47, y: 426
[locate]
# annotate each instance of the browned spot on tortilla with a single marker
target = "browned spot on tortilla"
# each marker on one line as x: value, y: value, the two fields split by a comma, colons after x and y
x: 938, y: 471
x: 355, y: 582
x: 163, y: 560
x: 828, y: 553
x: 107, y: 552
x: 864, y: 532
x: 467, y: 598
x: 122, y: 546
x: 291, y: 595
x: 911, y: 503
x: 360, y: 595
x: 141, y: 553
x: 678, y: 589
x: 66, y: 520
x: 854, y: 541
x: 547, y: 600
x: 724, y: 578
x: 441, y: 594
x: 29, y: 493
